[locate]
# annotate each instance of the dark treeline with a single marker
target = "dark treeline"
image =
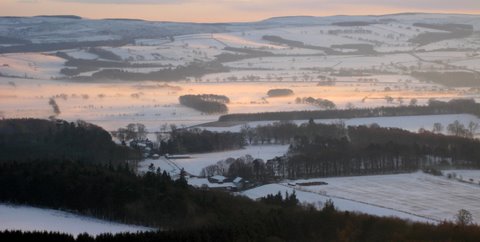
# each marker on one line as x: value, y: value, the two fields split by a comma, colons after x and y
x: 450, y: 78
x: 10, y: 40
x: 33, y: 47
x: 320, y: 102
x: 298, y: 44
x: 452, y: 31
x: 194, y: 69
x: 249, y: 51
x: 241, y: 54
x: 446, y: 27
x: 33, y: 139
x: 102, y: 191
x: 455, y: 106
x: 104, y: 54
x: 77, y: 66
x: 319, y: 150
x: 206, y: 103
x: 200, y: 141
x: 360, y: 49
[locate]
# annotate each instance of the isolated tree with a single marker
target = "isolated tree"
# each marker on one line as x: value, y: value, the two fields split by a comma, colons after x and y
x: 389, y: 99
x: 413, y: 102
x: 473, y: 128
x: 151, y: 168
x: 349, y: 105
x: 329, y: 206
x: 400, y: 100
x: 437, y: 128
x: 131, y: 131
x: 458, y: 129
x: 141, y: 131
x: 464, y: 217
x: 55, y: 107
x: 121, y: 134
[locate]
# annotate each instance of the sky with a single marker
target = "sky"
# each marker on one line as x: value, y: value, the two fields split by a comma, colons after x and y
x: 227, y: 10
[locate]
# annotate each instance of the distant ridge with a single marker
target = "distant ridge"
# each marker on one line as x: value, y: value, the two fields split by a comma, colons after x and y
x: 59, y: 16
x: 292, y: 20
x: 289, y: 17
x: 125, y: 19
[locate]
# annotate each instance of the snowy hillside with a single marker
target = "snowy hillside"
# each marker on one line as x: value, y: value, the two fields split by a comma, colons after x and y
x: 28, y: 218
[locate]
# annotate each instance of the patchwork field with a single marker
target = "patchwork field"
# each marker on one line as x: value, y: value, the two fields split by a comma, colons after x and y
x: 417, y: 196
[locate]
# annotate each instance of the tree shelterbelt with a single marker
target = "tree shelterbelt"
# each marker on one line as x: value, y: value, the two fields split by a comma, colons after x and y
x: 455, y: 106
x: 318, y: 150
x: 206, y: 103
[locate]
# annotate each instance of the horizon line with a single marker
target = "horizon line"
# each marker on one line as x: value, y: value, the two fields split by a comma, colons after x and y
x: 73, y: 16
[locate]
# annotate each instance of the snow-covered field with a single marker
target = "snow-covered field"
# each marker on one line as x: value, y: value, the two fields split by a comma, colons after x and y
x: 114, y: 105
x: 197, y: 162
x: 26, y: 87
x: 417, y: 196
x: 469, y: 176
x: 318, y: 200
x: 31, y: 65
x: 362, y: 80
x: 28, y: 218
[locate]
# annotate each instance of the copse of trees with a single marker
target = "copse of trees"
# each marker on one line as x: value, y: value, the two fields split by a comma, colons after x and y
x: 33, y: 139
x: 200, y: 141
x: 246, y: 167
x: 279, y: 92
x: 449, y: 31
x: 45, y: 47
x: 318, y: 150
x: 194, y: 69
x: 133, y: 131
x: 299, y: 44
x: 76, y: 66
x: 320, y: 102
x: 206, y: 103
x: 455, y: 106
x: 375, y: 150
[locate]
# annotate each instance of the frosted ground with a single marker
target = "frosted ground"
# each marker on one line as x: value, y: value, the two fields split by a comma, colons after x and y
x: 29, y: 218
x: 416, y: 196
x: 114, y: 105
x: 196, y: 162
